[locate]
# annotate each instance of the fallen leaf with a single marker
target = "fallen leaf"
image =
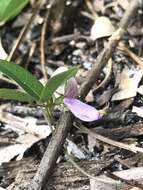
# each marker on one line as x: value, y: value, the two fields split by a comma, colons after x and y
x: 102, y: 27
x: 9, y: 152
x: 3, y: 54
x: 73, y: 149
x: 138, y: 111
x: 128, y: 83
x: 130, y: 174
x: 92, y: 142
x: 123, y: 105
x: 22, y: 20
x: 28, y: 134
x: 140, y: 90
x: 96, y: 185
x: 2, y: 188
x: 98, y: 5
x: 90, y: 97
x: 124, y: 4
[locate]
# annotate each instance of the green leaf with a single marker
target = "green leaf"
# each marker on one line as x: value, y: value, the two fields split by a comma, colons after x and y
x: 24, y: 78
x: 11, y: 94
x: 55, y: 82
x: 59, y: 100
x: 10, y: 8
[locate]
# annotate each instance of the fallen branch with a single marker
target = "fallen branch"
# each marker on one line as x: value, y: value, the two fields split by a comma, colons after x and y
x: 52, y: 152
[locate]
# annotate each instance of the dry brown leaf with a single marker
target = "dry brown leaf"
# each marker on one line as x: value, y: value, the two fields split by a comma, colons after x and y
x: 102, y: 27
x: 90, y: 97
x: 128, y: 83
x: 29, y: 133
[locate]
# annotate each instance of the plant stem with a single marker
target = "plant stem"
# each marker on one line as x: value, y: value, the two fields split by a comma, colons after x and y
x: 48, y: 117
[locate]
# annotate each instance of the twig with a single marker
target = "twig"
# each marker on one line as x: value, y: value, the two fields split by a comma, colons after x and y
x: 107, y: 52
x: 132, y: 183
x: 131, y: 148
x: 16, y: 122
x: 106, y: 79
x: 122, y: 162
x: 30, y: 55
x: 24, y: 30
x: 43, y: 36
x: 91, y: 9
x: 88, y: 175
x: 67, y: 38
x: 131, y: 54
x: 88, y: 15
x: 103, y: 180
x: 118, y: 133
x: 53, y: 150
x: 42, y: 44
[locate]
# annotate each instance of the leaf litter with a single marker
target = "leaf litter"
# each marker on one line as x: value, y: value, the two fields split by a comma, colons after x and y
x: 128, y: 82
x: 126, y: 85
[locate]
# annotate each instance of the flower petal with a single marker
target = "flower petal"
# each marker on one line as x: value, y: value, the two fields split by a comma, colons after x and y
x: 71, y: 89
x: 81, y: 110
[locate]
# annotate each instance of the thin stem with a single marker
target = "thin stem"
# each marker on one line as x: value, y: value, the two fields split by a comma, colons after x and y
x: 48, y: 117
x: 103, y: 180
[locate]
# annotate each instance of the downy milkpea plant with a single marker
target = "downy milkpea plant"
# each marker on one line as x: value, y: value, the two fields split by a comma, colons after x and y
x: 81, y: 110
x: 35, y: 92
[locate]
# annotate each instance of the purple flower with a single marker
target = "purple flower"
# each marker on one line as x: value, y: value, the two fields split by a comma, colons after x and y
x: 81, y: 110
x: 72, y: 89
